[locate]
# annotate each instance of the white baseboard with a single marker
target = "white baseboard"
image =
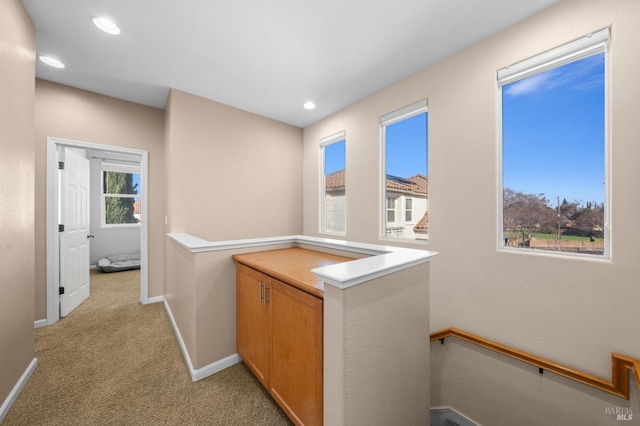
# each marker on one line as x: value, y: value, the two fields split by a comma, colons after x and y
x: 155, y: 299
x: 207, y: 370
x: 6, y: 405
x: 447, y: 416
x: 214, y: 367
x: 40, y: 323
x: 176, y: 331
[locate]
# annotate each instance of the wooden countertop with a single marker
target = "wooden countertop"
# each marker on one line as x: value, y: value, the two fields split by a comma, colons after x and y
x: 292, y: 266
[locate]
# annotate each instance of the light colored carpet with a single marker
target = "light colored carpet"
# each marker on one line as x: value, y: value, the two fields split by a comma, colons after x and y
x: 113, y: 361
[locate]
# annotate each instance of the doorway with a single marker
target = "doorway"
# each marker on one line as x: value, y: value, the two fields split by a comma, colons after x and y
x: 52, y: 215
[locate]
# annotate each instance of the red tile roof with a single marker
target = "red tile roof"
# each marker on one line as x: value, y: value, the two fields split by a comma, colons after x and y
x: 423, y: 224
x: 417, y: 184
x: 335, y: 180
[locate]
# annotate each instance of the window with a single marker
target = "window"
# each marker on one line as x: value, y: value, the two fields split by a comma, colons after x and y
x: 391, y: 210
x: 554, y: 150
x: 333, y: 181
x: 120, y: 195
x: 404, y: 174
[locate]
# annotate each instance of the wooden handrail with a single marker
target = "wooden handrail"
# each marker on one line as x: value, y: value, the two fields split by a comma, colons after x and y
x: 620, y: 364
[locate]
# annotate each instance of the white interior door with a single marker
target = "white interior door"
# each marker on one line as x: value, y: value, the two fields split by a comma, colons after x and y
x: 74, y: 240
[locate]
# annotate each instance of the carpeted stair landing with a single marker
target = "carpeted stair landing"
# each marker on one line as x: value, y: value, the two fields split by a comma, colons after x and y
x: 113, y: 361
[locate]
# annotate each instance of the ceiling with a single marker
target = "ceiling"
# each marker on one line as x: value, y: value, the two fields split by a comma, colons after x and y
x: 266, y: 57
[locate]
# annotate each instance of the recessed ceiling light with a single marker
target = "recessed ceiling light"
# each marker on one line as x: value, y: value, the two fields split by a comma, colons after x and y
x: 106, y: 25
x: 52, y: 62
x: 309, y: 105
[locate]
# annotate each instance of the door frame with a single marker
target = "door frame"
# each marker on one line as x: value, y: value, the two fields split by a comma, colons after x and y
x: 52, y: 237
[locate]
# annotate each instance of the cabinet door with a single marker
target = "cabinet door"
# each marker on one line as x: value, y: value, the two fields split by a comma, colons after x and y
x: 252, y: 322
x: 296, y: 355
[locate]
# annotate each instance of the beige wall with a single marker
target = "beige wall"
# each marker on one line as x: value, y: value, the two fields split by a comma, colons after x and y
x: 376, y: 351
x: 180, y: 292
x: 232, y: 174
x: 201, y: 293
x: 68, y: 113
x: 17, y: 75
x: 574, y: 311
x: 215, y: 303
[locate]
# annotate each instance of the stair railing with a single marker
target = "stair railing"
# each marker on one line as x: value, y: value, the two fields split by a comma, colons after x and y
x: 620, y: 364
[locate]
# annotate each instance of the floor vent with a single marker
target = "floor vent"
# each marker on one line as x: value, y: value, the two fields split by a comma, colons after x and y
x: 448, y: 417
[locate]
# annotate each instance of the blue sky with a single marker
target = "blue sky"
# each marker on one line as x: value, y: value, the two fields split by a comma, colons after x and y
x: 136, y: 181
x: 334, y: 157
x: 553, y: 135
x: 406, y: 146
x: 553, y: 132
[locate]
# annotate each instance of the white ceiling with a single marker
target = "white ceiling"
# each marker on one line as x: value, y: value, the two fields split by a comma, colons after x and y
x: 267, y: 57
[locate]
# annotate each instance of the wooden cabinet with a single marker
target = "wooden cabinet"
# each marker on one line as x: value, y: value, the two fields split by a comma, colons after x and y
x: 296, y: 353
x: 252, y: 325
x: 279, y: 326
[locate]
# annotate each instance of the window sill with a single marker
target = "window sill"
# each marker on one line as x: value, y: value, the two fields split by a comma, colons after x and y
x: 556, y: 254
x: 129, y: 226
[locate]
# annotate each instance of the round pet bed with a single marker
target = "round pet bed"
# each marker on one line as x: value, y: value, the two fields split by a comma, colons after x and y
x: 119, y: 262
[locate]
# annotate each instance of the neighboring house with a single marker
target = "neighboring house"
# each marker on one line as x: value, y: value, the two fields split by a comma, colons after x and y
x: 137, y: 210
x: 422, y: 227
x: 406, y: 206
x: 334, y: 202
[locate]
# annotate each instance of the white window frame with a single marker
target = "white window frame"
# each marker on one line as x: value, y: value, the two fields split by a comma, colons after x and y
x: 387, y: 120
x: 324, y: 142
x: 394, y: 202
x: 408, y: 209
x: 596, y: 42
x: 120, y: 168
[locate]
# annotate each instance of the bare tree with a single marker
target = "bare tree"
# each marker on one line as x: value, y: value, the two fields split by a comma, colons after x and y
x: 527, y: 213
x: 590, y: 222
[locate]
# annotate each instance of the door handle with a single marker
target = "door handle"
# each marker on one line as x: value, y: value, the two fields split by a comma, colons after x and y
x: 90, y: 236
